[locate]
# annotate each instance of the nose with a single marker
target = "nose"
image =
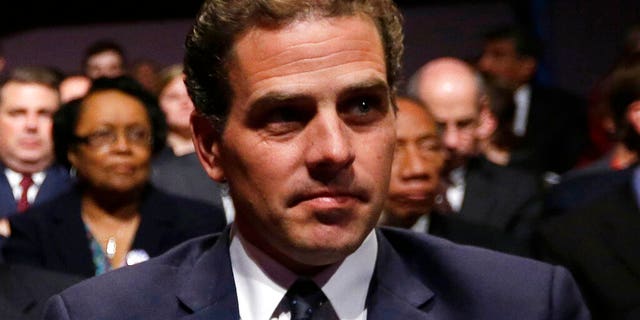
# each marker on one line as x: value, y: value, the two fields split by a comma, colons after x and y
x: 413, y: 165
x: 32, y: 121
x: 122, y: 143
x: 330, y: 148
x: 485, y: 63
x: 451, y: 137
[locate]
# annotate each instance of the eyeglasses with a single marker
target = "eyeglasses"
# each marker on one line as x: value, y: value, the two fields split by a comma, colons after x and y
x: 106, y: 137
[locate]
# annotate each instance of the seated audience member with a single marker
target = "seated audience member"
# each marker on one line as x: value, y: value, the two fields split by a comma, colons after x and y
x: 147, y: 72
x: 552, y: 122
x: 24, y: 290
x: 112, y: 217
x: 176, y: 168
x: 415, y: 173
x: 605, y: 149
x: 295, y: 109
x: 475, y: 190
x: 73, y: 87
x: 618, y: 156
x: 500, y: 147
x: 417, y: 162
x: 583, y: 184
x: 29, y: 175
x: 598, y: 241
x: 104, y: 58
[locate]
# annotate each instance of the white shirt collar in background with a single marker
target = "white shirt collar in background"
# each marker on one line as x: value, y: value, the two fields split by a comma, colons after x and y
x: 14, y: 179
x: 522, y: 99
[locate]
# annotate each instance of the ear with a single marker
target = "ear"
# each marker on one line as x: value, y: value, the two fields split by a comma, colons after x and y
x: 633, y: 115
x: 207, y: 140
x: 487, y: 121
x: 72, y: 156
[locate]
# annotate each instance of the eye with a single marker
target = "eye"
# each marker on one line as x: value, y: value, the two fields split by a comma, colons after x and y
x: 101, y: 137
x: 364, y: 109
x: 400, y: 149
x: 429, y: 146
x: 465, y: 124
x: 16, y: 112
x: 440, y: 127
x: 285, y: 119
x: 139, y: 135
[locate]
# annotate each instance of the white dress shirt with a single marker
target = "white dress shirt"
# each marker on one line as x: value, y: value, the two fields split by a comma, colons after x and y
x: 522, y: 99
x: 261, y: 282
x: 14, y: 179
x: 455, y: 192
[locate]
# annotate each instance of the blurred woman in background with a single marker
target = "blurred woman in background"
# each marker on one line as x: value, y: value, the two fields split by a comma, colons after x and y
x: 113, y: 216
x: 176, y: 169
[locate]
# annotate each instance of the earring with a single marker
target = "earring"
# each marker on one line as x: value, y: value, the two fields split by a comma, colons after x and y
x: 73, y: 172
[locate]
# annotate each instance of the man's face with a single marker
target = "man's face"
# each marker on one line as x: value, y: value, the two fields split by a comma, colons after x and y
x: 105, y: 64
x: 501, y: 60
x: 26, y: 111
x: 308, y: 144
x: 458, y: 118
x: 176, y: 105
x: 417, y: 162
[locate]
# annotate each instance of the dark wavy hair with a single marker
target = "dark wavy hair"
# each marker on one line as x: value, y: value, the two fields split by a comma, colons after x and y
x: 624, y: 89
x: 65, y: 120
x: 209, y: 45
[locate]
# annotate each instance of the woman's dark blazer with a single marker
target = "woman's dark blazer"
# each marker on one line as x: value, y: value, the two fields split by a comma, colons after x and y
x: 53, y: 236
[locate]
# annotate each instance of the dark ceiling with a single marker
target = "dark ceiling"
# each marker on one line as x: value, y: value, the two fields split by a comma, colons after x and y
x: 21, y: 15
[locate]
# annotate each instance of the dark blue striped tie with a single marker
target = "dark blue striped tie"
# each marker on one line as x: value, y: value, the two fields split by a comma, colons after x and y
x: 305, y: 299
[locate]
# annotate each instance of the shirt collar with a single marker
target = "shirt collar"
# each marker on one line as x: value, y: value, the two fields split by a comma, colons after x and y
x: 261, y: 282
x: 456, y: 176
x: 14, y: 177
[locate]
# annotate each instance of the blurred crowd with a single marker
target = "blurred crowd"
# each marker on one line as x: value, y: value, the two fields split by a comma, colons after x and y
x: 99, y: 170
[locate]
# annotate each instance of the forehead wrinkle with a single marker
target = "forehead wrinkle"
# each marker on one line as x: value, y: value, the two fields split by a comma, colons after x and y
x: 320, y: 63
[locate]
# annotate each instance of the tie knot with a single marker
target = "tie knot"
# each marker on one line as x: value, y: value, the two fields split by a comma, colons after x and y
x: 304, y: 297
x: 26, y: 181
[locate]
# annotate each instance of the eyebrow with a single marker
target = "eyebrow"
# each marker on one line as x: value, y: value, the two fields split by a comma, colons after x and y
x: 375, y: 85
x: 277, y: 97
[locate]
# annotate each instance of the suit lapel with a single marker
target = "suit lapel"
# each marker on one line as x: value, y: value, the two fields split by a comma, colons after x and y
x: 622, y: 227
x: 479, y: 200
x: 55, y: 183
x: 69, y: 235
x: 7, y: 201
x: 16, y: 300
x: 207, y: 287
x: 395, y: 293
x: 155, y: 223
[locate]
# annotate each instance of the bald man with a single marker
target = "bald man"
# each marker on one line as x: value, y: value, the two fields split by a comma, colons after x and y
x: 477, y: 191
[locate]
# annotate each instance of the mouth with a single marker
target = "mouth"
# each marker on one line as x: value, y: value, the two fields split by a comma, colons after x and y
x: 412, y: 196
x: 30, y: 143
x: 123, y: 169
x: 330, y: 198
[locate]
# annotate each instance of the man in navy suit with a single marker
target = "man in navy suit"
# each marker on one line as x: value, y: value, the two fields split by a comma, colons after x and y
x: 28, y: 98
x: 551, y: 122
x: 295, y: 113
x: 597, y: 237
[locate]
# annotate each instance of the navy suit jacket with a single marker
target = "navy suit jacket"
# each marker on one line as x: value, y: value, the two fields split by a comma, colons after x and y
x: 53, y: 236
x: 557, y: 131
x: 600, y: 243
x: 502, y: 198
x: 24, y: 290
x: 56, y: 182
x: 417, y: 276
